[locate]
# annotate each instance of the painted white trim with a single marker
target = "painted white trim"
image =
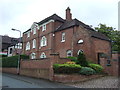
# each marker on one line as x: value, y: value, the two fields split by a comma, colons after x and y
x: 47, y: 22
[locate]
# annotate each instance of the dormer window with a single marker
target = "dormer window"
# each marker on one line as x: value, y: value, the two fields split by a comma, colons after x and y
x: 44, y: 27
x: 28, y: 34
x: 63, y: 37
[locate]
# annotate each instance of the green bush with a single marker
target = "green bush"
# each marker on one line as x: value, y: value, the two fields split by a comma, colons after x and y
x: 74, y: 59
x: 66, y: 68
x: 96, y: 67
x: 23, y: 56
x: 82, y: 60
x: 12, y: 61
x: 87, y: 71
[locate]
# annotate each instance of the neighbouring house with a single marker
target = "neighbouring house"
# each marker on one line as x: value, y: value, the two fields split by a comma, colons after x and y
x: 10, y: 45
x: 66, y: 36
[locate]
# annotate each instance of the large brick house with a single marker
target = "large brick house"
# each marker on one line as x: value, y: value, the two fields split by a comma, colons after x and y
x: 66, y: 37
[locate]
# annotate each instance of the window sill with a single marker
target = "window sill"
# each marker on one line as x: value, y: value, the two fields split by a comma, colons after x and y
x: 63, y: 41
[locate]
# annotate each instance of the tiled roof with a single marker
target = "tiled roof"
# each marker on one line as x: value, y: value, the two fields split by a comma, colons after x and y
x: 53, y: 17
x: 75, y: 22
x: 9, y: 41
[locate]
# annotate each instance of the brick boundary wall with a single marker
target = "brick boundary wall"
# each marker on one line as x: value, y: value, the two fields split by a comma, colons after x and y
x: 9, y: 70
x: 114, y: 67
x: 41, y: 68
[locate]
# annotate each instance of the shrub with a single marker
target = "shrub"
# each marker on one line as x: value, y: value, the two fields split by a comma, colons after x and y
x: 82, y: 60
x: 74, y: 59
x: 10, y: 61
x: 66, y: 68
x: 96, y: 67
x: 87, y: 71
x: 71, y: 62
x: 23, y: 56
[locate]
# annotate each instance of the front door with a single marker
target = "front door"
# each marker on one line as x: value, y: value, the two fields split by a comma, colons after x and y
x: 98, y: 56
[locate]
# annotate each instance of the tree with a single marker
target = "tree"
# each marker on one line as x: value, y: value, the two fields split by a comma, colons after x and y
x: 82, y: 59
x: 111, y: 33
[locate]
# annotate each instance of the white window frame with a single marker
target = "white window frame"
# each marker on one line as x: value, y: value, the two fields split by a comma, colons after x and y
x: 28, y: 46
x: 79, y: 51
x: 43, y: 27
x: 34, y: 43
x: 43, y: 41
x: 28, y: 34
x: 69, y: 51
x: 42, y: 55
x: 63, y: 37
x: 33, y: 55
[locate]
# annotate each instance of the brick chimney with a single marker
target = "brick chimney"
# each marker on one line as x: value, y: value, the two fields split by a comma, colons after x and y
x: 68, y: 15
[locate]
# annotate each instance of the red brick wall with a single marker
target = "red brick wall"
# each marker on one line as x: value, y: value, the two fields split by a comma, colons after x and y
x: 114, y: 68
x: 10, y: 70
x: 62, y: 47
x: 100, y: 46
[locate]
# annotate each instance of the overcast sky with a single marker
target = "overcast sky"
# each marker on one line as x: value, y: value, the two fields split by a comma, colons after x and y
x: 20, y: 14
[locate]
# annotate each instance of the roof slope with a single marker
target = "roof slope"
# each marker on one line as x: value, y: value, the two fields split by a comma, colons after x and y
x: 75, y: 22
x: 53, y: 17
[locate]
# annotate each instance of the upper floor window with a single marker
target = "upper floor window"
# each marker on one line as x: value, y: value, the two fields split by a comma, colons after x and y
x: 34, y: 31
x: 18, y: 46
x: 33, y: 55
x: 44, y: 27
x: 43, y: 55
x: 63, y: 37
x: 34, y: 43
x: 28, y: 46
x: 28, y: 34
x: 69, y: 53
x: 43, y: 41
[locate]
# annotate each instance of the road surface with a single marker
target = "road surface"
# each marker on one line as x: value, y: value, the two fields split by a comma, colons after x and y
x: 16, y: 81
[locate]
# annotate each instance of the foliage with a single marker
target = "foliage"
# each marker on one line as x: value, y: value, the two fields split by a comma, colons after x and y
x: 23, y: 56
x: 70, y: 62
x: 111, y: 33
x: 96, y: 67
x: 82, y: 59
x: 74, y: 59
x: 87, y: 71
x: 12, y: 61
x: 66, y: 68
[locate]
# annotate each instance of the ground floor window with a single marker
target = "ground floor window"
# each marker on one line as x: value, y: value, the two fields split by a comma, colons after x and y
x: 79, y: 51
x: 33, y: 56
x: 42, y: 55
x: 69, y: 53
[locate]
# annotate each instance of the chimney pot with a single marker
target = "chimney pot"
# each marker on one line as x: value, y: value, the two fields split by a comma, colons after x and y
x: 68, y: 14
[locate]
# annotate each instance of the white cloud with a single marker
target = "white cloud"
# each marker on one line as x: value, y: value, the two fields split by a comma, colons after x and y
x: 20, y: 14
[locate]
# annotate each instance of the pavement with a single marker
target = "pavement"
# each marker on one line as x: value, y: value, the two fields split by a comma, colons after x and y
x: 102, y: 82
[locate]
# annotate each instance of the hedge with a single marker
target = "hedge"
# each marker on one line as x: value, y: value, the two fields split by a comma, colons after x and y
x: 12, y: 61
x: 96, y: 67
x: 66, y: 68
x: 87, y: 71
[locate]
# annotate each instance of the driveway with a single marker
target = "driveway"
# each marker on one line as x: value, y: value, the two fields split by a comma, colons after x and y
x: 102, y: 82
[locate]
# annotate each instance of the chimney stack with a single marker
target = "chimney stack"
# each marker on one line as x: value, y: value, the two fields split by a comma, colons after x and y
x: 68, y: 15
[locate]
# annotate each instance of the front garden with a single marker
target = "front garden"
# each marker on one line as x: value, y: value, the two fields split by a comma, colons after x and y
x: 78, y: 65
